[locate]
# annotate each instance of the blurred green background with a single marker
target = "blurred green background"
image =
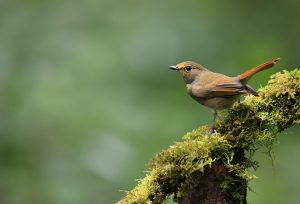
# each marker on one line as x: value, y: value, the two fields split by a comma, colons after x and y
x: 86, y: 96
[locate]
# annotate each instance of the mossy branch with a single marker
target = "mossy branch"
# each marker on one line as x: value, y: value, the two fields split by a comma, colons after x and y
x: 213, y: 169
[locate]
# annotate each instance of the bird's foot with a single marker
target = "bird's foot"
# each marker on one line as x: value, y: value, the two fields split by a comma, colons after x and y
x: 211, y: 131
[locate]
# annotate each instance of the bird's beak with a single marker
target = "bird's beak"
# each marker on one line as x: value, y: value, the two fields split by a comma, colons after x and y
x: 174, y: 68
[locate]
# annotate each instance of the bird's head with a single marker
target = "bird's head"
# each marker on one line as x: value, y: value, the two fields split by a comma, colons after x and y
x: 189, y: 70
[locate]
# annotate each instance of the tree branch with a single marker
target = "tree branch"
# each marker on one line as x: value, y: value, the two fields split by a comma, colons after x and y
x: 213, y: 169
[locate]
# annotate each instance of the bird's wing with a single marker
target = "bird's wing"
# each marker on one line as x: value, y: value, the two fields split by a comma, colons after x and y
x: 251, y: 90
x: 226, y: 89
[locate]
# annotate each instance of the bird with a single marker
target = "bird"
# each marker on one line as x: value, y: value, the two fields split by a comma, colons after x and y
x: 215, y: 90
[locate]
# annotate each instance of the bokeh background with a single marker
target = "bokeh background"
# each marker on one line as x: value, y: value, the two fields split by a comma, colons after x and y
x: 87, y: 99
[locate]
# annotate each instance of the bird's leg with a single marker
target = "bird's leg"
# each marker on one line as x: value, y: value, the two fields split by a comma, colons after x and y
x: 211, y: 130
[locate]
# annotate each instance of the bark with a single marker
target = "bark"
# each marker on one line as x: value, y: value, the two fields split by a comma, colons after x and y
x: 208, y: 188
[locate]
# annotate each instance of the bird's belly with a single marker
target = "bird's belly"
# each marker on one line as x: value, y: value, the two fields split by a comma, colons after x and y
x: 217, y: 103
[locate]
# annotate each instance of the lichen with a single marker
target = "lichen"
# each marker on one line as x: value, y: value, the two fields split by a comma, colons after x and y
x: 242, y: 130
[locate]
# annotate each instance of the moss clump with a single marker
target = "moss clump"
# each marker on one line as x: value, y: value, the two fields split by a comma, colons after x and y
x: 243, y: 129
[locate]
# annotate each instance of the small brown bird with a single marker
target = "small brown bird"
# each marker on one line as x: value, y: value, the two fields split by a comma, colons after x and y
x: 215, y: 90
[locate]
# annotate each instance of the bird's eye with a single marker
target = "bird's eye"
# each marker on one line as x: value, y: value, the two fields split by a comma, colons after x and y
x: 188, y: 68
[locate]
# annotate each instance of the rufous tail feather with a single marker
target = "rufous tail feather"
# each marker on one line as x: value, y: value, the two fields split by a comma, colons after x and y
x: 248, y: 74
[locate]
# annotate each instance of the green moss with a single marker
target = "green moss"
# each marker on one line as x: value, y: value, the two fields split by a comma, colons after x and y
x: 243, y: 129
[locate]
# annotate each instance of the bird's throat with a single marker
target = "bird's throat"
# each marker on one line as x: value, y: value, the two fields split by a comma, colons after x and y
x: 189, y: 80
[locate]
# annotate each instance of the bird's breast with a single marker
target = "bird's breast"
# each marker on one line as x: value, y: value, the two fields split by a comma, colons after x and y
x: 217, y: 103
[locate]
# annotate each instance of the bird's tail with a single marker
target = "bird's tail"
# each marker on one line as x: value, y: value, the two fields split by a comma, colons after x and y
x: 248, y: 74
